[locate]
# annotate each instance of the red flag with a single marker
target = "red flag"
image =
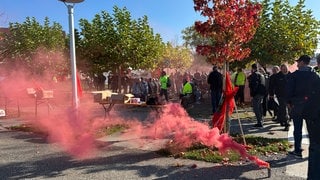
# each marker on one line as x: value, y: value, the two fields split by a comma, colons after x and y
x: 219, y: 116
x: 79, y: 87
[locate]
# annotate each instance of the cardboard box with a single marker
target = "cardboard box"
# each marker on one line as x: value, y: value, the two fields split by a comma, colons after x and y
x: 135, y: 100
x: 117, y: 98
x: 47, y: 94
x: 97, y: 97
x: 2, y: 113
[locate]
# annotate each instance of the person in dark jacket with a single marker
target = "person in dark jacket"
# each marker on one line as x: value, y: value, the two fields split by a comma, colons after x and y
x: 265, y: 97
x: 215, y: 81
x: 257, y: 92
x: 278, y: 89
x: 273, y: 102
x: 303, y: 95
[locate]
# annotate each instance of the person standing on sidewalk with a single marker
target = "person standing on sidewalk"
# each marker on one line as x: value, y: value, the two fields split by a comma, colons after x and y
x: 311, y: 113
x: 303, y: 99
x: 272, y: 103
x: 257, y: 92
x: 278, y: 88
x: 296, y: 94
x: 215, y: 81
x: 265, y: 97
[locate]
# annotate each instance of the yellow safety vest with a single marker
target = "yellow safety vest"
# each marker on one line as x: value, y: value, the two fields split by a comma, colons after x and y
x: 239, y: 79
x: 163, y: 82
x: 187, y: 89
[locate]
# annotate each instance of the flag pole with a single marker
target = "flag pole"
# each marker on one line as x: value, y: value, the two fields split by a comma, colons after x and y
x: 226, y: 120
x: 240, y: 125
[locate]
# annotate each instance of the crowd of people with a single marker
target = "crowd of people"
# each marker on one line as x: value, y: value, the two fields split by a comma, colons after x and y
x: 297, y: 95
x: 190, y: 88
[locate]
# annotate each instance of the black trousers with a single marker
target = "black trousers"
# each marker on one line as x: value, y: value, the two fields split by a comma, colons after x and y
x: 239, y: 97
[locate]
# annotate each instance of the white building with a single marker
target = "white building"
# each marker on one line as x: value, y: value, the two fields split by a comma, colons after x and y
x: 313, y: 61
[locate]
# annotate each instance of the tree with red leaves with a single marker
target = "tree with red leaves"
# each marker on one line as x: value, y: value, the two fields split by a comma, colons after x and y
x: 230, y: 25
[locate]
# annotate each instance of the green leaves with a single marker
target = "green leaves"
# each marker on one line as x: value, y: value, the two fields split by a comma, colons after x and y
x: 111, y: 41
x: 285, y: 33
x: 176, y: 57
x: 27, y: 42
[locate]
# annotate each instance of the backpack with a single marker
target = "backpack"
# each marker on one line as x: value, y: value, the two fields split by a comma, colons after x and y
x: 168, y: 82
x: 261, y: 80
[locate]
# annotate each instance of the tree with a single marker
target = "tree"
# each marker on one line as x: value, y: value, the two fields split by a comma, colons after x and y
x: 34, y: 47
x: 176, y: 57
x: 230, y: 25
x: 192, y: 38
x: 285, y: 33
x: 118, y: 42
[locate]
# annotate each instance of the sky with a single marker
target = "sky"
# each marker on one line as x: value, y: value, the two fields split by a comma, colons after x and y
x: 166, y: 17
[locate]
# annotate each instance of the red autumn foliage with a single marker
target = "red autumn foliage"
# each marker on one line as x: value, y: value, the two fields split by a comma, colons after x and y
x: 231, y: 24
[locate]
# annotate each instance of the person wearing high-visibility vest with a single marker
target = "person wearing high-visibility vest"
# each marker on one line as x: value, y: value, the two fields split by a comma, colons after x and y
x: 239, y: 81
x: 186, y: 94
x: 164, y: 85
x: 187, y: 88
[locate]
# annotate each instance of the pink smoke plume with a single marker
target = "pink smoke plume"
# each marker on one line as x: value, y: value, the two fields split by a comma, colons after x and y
x: 70, y: 130
x: 185, y: 131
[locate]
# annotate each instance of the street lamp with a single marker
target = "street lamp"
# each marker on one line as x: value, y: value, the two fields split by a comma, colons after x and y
x: 70, y: 4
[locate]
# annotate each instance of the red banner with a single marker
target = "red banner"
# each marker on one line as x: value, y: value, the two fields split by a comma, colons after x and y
x: 218, y: 119
x: 79, y: 87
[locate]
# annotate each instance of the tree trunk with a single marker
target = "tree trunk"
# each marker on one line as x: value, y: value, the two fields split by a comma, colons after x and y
x: 119, y: 79
x: 227, y: 118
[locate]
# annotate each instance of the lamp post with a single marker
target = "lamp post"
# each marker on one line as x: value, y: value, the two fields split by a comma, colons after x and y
x: 70, y: 4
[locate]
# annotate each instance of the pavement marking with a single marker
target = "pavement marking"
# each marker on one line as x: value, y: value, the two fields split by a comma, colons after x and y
x: 305, y: 138
x: 298, y: 167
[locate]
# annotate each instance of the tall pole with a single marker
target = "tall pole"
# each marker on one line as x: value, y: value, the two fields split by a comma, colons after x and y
x: 70, y: 4
x: 75, y: 100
